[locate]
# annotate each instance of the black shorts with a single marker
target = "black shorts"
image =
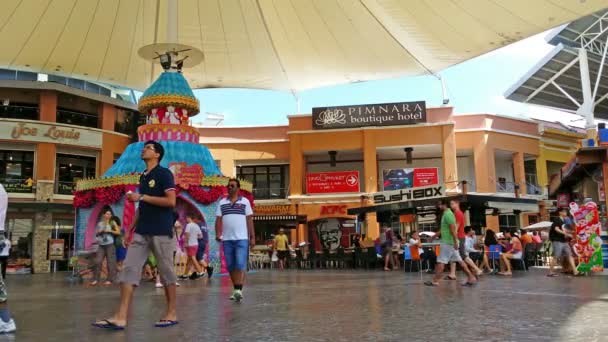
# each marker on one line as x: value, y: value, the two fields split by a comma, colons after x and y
x: 282, y: 254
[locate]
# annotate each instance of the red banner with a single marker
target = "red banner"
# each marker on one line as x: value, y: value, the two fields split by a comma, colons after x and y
x: 186, y: 175
x: 328, y: 182
x: 426, y: 176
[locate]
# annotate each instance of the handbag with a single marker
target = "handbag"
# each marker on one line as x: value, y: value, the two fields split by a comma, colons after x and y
x: 275, y: 257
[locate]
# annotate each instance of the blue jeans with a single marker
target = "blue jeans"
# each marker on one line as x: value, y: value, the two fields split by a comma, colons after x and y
x: 200, y: 252
x: 236, y: 253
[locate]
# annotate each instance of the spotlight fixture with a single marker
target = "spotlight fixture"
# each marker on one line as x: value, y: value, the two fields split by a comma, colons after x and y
x: 408, y: 154
x: 165, y: 61
x: 332, y: 158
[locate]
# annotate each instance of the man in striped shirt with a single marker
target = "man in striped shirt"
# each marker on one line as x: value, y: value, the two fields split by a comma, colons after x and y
x: 234, y: 227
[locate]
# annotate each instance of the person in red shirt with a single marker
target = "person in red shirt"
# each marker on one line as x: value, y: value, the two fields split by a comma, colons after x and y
x: 455, y: 206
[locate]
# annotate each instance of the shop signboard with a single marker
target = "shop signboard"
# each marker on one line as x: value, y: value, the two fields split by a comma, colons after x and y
x: 272, y: 210
x: 588, y: 243
x: 25, y: 130
x: 332, y: 182
x: 396, y: 179
x: 56, y: 249
x: 406, y: 195
x: 383, y: 114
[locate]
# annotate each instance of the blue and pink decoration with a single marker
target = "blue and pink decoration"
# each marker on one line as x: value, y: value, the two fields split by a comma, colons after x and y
x: 168, y: 104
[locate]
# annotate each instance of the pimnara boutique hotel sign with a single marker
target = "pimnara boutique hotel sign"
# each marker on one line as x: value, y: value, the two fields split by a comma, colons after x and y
x: 385, y: 114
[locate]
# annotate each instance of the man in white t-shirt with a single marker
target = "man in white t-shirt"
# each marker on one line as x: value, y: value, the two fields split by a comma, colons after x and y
x: 7, y: 324
x: 234, y: 228
x: 191, y: 235
x: 5, y: 249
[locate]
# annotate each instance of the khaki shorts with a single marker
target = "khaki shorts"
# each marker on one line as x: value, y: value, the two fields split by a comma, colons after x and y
x: 448, y: 254
x: 162, y: 247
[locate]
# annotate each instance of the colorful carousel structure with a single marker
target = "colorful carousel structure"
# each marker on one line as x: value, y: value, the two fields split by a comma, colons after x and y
x: 168, y: 104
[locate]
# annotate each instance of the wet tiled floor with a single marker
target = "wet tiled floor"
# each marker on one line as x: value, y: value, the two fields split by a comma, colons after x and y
x: 323, y: 306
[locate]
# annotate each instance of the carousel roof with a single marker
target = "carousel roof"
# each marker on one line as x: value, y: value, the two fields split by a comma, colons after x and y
x: 170, y: 89
x: 175, y: 152
x: 269, y: 44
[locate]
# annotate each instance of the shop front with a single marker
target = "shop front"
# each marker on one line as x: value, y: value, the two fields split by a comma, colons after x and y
x: 416, y: 209
x: 269, y: 218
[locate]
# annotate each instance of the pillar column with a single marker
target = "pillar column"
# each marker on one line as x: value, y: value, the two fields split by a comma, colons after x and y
x: 43, y: 221
x: 107, y: 116
x: 541, y: 172
x: 448, y: 154
x: 296, y: 165
x: 48, y: 106
x: 44, y: 171
x: 519, y: 172
x: 370, y: 183
x: 485, y: 165
x: 370, y: 163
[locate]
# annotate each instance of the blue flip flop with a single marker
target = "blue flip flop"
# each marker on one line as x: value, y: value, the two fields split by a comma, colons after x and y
x: 163, y: 323
x: 106, y: 324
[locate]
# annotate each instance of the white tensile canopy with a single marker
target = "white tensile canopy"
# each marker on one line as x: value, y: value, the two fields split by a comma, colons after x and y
x: 269, y: 44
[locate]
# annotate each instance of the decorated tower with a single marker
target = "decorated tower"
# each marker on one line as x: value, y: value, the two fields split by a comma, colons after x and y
x: 168, y: 104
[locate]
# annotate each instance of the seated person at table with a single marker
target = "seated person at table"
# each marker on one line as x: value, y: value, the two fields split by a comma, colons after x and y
x: 426, y: 255
x: 536, y: 237
x: 356, y: 241
x: 525, y: 238
x: 469, y: 245
x: 514, y: 252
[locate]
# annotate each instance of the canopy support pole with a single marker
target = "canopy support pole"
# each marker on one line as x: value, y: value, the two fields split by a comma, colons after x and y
x: 172, y: 21
x: 586, y: 109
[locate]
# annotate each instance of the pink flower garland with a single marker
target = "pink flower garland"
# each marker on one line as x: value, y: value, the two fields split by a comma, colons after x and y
x: 112, y: 194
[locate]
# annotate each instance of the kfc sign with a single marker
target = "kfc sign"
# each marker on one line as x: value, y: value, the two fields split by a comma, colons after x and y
x: 329, y: 182
x: 329, y: 210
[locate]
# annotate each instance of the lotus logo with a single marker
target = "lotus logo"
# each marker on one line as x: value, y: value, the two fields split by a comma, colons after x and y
x: 330, y: 117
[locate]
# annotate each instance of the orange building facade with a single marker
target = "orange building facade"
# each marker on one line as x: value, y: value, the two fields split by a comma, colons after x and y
x: 52, y: 135
x: 495, y: 156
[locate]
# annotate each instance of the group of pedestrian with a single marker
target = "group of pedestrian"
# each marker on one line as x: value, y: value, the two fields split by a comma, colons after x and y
x: 154, y: 233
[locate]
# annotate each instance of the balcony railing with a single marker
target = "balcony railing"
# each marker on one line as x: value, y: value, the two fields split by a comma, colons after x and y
x: 505, y: 187
x: 269, y: 193
x: 77, y: 118
x: 534, y: 189
x: 66, y: 188
x: 18, y: 185
x: 19, y: 112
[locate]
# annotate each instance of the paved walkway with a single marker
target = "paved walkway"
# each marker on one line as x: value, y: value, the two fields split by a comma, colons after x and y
x: 324, y: 306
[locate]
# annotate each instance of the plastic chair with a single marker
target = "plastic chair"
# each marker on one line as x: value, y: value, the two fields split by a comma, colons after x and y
x: 494, y: 254
x: 357, y: 257
x: 325, y: 257
x: 341, y: 258
x: 371, y: 258
x: 415, y: 254
x: 407, y: 256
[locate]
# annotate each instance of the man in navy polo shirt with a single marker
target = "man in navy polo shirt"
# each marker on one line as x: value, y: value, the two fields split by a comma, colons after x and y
x: 234, y: 227
x: 153, y: 222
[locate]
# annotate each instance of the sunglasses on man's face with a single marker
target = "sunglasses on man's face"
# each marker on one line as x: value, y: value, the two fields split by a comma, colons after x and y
x: 231, y: 186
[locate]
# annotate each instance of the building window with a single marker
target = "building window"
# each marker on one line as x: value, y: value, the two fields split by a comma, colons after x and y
x: 507, y: 222
x: 125, y: 122
x: 76, y: 118
x: 116, y: 157
x: 269, y: 181
x: 17, y: 171
x: 72, y: 168
x: 19, y: 111
x: 532, y: 219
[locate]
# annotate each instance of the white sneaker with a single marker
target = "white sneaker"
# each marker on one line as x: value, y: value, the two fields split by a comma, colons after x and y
x: 159, y: 285
x: 7, y: 327
x: 238, y: 296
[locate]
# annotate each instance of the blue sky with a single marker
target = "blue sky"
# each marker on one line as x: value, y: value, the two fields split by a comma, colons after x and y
x: 474, y: 86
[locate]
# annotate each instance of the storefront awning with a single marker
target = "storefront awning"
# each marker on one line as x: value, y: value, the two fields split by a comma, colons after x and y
x: 473, y: 200
x: 281, y: 218
x: 586, y: 161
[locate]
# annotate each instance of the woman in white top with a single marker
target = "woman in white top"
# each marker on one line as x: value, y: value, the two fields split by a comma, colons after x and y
x: 105, y: 233
x: 5, y: 249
